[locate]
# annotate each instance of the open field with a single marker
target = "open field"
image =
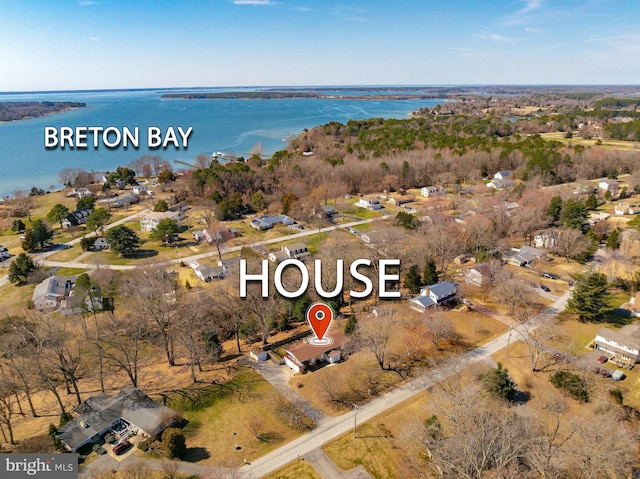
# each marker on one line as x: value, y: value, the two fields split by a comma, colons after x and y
x: 236, y: 413
x: 295, y: 470
x: 560, y: 136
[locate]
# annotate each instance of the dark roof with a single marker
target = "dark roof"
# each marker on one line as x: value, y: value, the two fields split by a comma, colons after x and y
x: 443, y: 289
x: 99, y: 413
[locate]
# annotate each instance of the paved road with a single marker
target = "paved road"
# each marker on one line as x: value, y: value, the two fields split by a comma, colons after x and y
x: 331, y: 428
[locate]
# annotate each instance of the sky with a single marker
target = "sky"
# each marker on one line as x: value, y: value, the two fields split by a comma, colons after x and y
x: 104, y: 44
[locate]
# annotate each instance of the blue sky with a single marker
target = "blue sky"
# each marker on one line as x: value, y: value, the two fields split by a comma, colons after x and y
x: 91, y: 44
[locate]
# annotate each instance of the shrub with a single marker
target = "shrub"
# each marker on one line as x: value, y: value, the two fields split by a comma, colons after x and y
x: 497, y: 382
x: 65, y: 417
x: 174, y: 443
x: 575, y: 385
x: 145, y: 445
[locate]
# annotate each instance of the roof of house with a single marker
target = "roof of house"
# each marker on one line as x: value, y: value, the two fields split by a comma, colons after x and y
x: 304, y: 352
x: 54, y: 287
x: 218, y: 233
x: 626, y: 336
x: 100, y: 412
x: 503, y: 173
x: 161, y: 215
x: 443, y: 289
x: 272, y: 220
x: 534, y: 251
x: 296, y: 246
x: 423, y: 301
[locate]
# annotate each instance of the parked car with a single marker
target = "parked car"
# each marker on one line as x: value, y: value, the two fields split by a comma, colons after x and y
x: 121, y: 447
x: 602, y: 372
x: 603, y: 359
x: 545, y: 288
x: 549, y: 276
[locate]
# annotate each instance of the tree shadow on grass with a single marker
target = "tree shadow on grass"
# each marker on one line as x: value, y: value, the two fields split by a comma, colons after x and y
x: 143, y: 253
x: 196, y: 454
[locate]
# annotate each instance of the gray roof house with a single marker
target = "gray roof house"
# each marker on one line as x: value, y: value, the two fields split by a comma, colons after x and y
x: 51, y: 292
x: 128, y: 411
x: 433, y: 295
x: 622, y: 345
x: 266, y: 222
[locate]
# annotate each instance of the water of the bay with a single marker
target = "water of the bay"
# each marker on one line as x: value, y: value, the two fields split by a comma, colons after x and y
x: 225, y: 125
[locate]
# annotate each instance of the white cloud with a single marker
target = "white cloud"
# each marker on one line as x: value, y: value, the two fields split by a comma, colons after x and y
x: 260, y: 3
x: 86, y: 3
x: 493, y: 37
x: 351, y: 14
x: 523, y: 15
x: 303, y: 9
x: 94, y: 39
x: 533, y: 30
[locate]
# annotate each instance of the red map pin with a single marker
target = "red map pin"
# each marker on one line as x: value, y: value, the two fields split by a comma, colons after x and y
x: 319, y: 316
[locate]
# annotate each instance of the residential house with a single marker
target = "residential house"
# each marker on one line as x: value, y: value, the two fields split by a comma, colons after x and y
x: 609, y: 185
x: 266, y: 222
x: 369, y: 203
x: 502, y: 175
x: 430, y: 191
x: 524, y: 256
x: 150, y: 220
x: 100, y: 244
x: 480, y: 275
x: 596, y: 216
x: 218, y: 234
x: 4, y: 253
x: 620, y: 209
x: 300, y: 356
x: 207, y: 273
x: 278, y: 256
x: 622, y: 345
x: 81, y: 193
x: 500, y: 184
x: 75, y: 218
x: 635, y: 305
x: 140, y: 189
x: 50, y: 293
x: 125, y: 414
x: 436, y: 294
x: 121, y: 201
x: 546, y: 239
x: 296, y: 251
x: 327, y: 211
x: 633, y: 209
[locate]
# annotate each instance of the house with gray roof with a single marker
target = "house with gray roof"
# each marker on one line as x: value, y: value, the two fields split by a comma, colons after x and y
x: 621, y: 345
x: 127, y: 413
x: 436, y: 294
x: 50, y: 293
x: 266, y: 222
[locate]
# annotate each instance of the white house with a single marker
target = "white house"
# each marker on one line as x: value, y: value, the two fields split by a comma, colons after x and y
x: 433, y: 295
x: 296, y: 251
x: 81, y: 192
x: 502, y: 175
x: 140, y: 189
x: 149, y: 221
x: 546, y: 239
x: 207, y: 273
x: 430, y: 191
x: 278, y: 256
x: 369, y: 203
x: 500, y: 184
x: 622, y: 345
x: 609, y: 185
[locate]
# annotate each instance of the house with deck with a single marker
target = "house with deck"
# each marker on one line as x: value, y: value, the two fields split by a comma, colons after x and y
x: 151, y: 220
x: 301, y: 356
x: 124, y: 415
x: 622, y: 346
x: 437, y: 294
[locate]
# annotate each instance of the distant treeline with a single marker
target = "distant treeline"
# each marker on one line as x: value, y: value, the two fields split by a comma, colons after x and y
x: 245, y: 95
x: 616, y: 103
x: 17, y: 110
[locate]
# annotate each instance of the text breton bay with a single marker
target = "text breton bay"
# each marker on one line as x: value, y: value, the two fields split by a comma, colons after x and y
x: 111, y: 137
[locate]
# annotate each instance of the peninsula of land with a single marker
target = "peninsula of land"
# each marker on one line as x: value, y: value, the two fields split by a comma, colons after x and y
x: 20, y: 110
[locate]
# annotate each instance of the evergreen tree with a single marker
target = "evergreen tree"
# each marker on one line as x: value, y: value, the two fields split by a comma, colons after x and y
x: 86, y: 202
x: 555, y: 208
x: 57, y: 213
x: 160, y: 206
x: 20, y: 269
x: 98, y: 219
x: 122, y: 240
x: 497, y: 382
x: 430, y: 274
x: 174, y: 443
x: 613, y: 241
x: 258, y: 203
x: 412, y: 279
x: 17, y: 226
x: 166, y: 231
x: 351, y: 324
x: 574, y: 214
x: 591, y: 202
x: 591, y: 297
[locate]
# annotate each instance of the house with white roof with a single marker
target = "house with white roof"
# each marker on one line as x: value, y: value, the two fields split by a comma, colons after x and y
x: 369, y: 203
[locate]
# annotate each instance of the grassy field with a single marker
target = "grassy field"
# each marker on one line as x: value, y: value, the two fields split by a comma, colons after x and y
x: 295, y: 470
x: 559, y: 136
x: 232, y: 414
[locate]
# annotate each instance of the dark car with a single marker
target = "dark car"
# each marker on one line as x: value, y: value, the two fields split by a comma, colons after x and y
x: 121, y: 447
x: 603, y: 372
x: 544, y: 288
